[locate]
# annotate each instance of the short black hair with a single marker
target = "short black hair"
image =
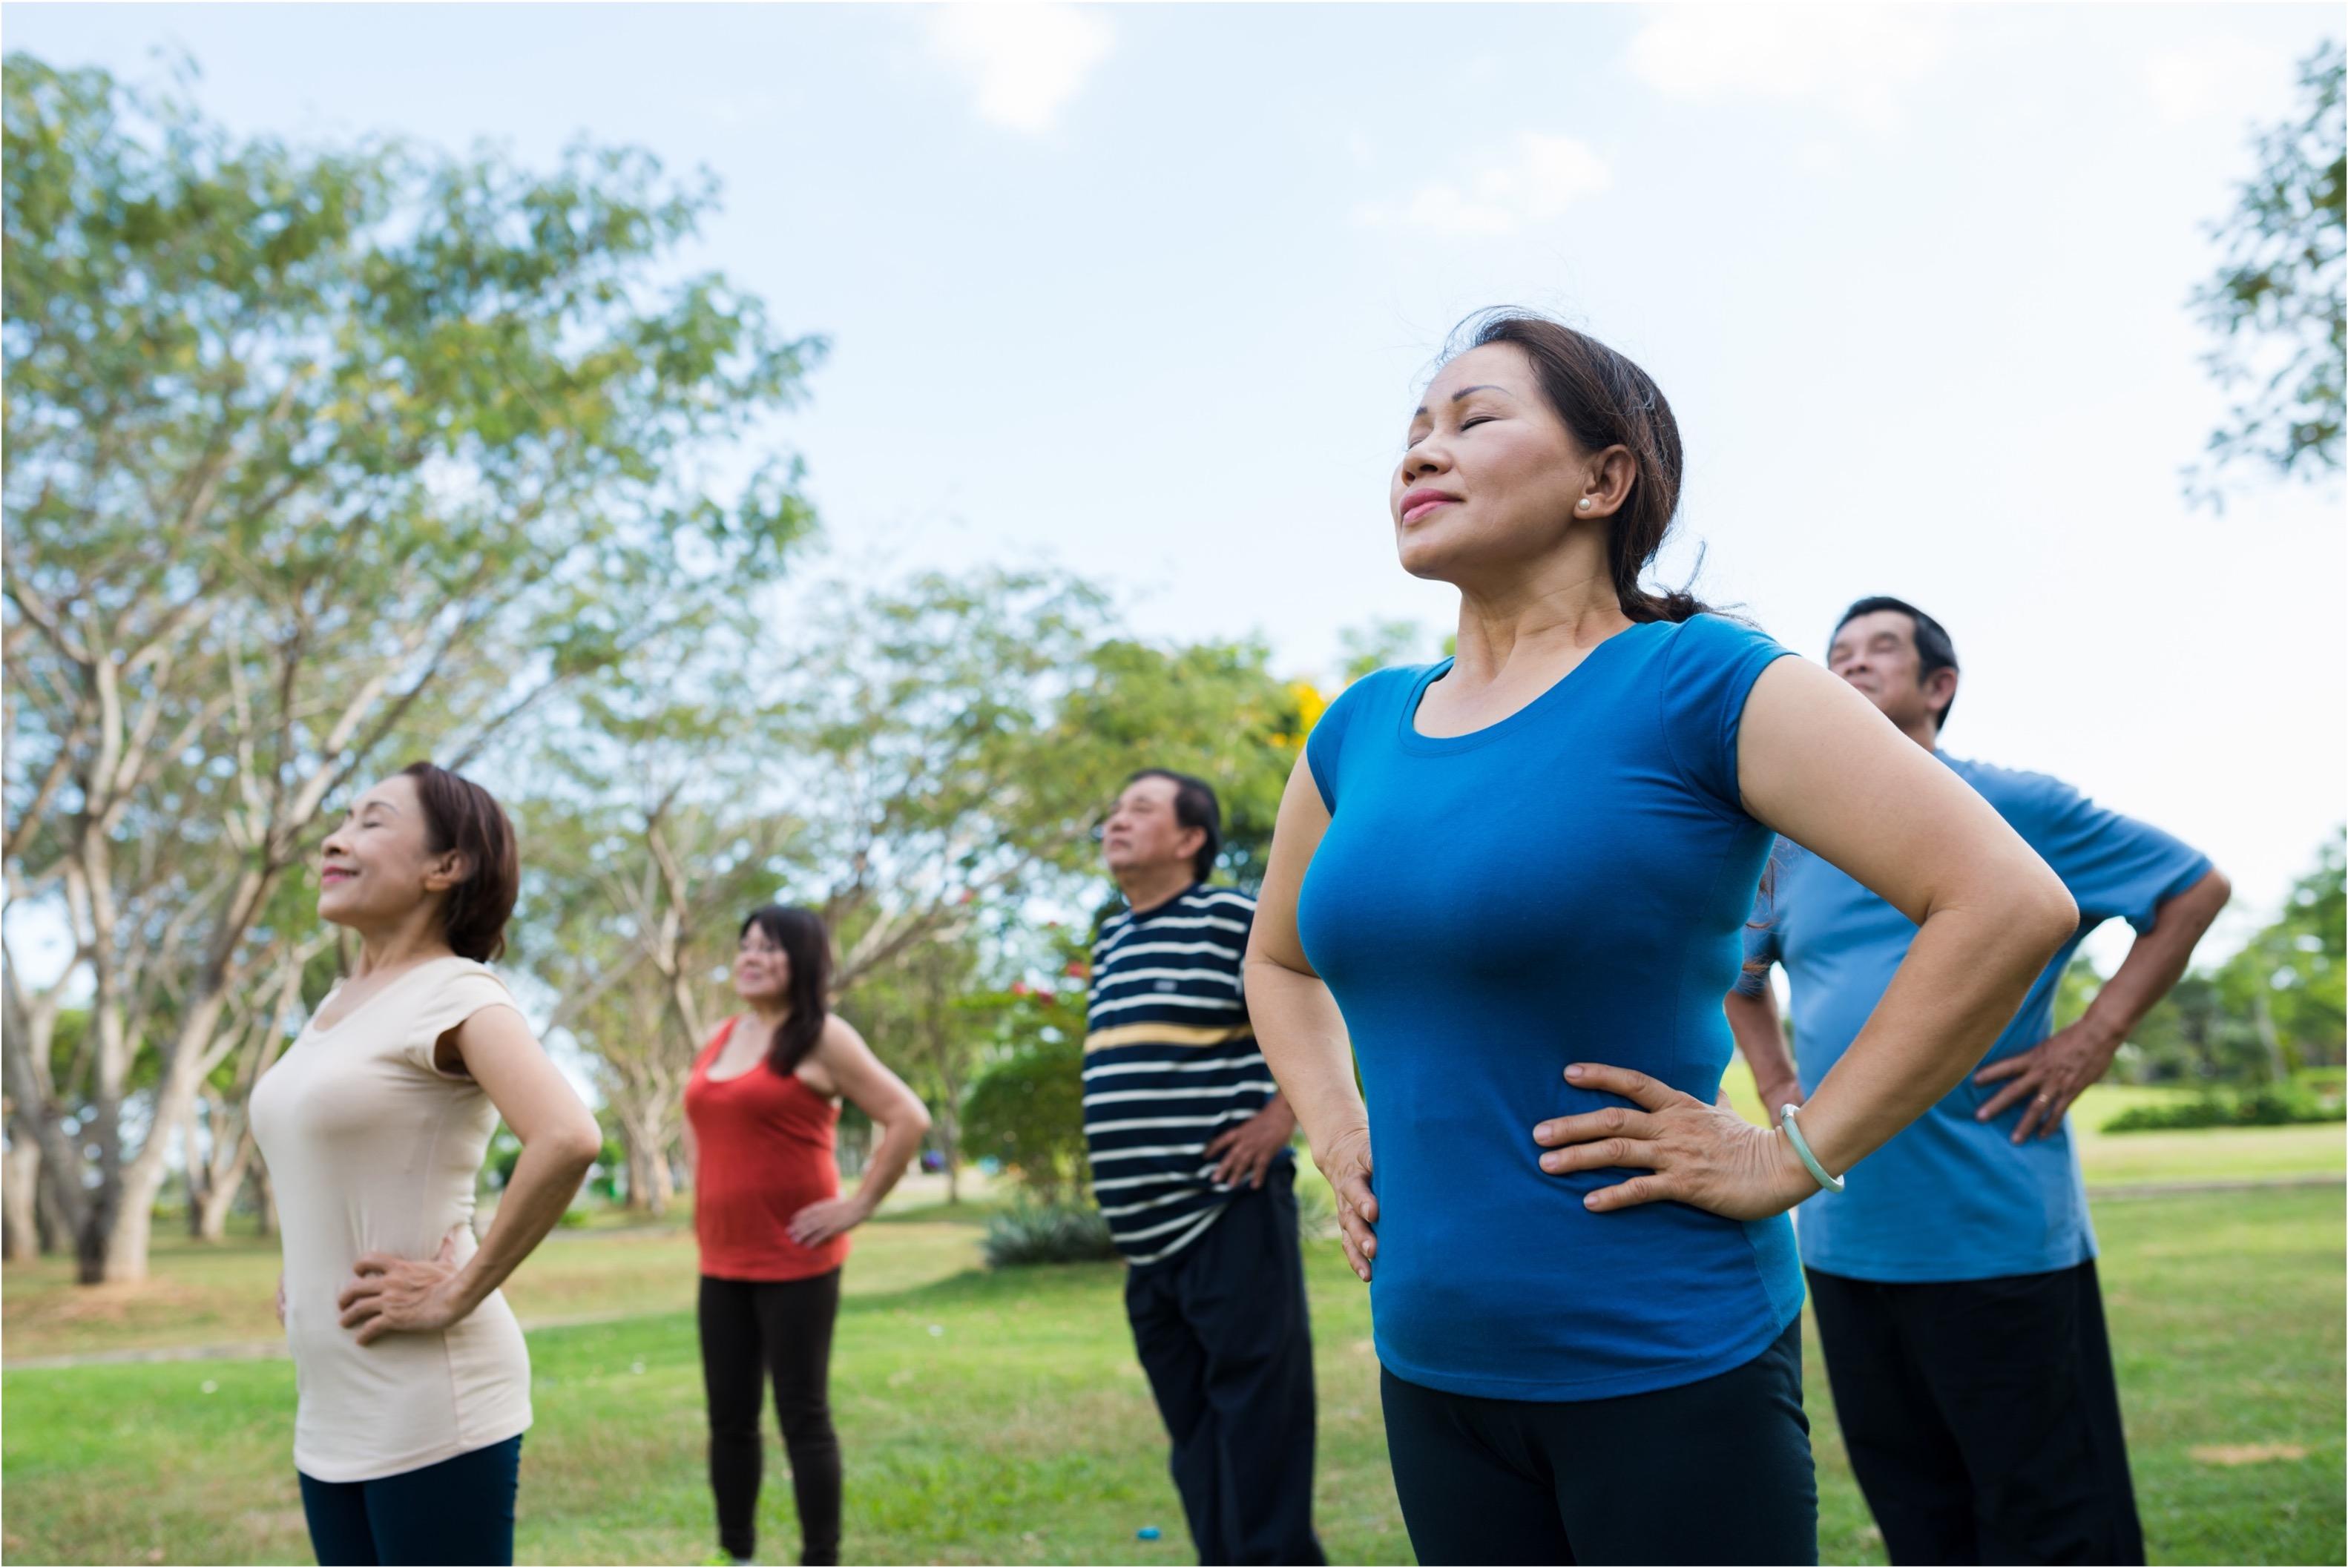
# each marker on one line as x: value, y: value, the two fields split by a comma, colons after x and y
x: 1194, y: 807
x: 1934, y: 651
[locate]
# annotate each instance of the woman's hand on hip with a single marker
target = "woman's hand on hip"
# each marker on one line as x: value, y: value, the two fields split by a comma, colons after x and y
x: 405, y: 1295
x: 1703, y: 1155
x: 819, y: 1223
x: 1346, y: 1163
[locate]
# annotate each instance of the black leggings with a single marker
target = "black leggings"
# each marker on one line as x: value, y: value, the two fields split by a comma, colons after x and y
x: 459, y: 1511
x: 1713, y: 1471
x: 750, y: 1329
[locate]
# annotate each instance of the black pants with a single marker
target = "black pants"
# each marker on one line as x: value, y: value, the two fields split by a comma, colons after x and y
x: 750, y: 1329
x: 1982, y: 1416
x: 1223, y: 1333
x: 459, y: 1511
x: 1713, y: 1471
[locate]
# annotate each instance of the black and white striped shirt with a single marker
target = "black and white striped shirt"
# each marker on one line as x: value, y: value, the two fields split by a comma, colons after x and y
x: 1170, y: 1063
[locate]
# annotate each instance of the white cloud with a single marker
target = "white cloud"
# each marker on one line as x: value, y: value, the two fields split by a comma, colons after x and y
x: 2221, y: 78
x: 1857, y: 59
x: 1024, y: 61
x: 1542, y: 178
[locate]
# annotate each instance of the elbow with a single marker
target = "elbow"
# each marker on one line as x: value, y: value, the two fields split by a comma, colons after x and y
x: 2218, y: 890
x: 2048, y: 916
x: 578, y: 1148
x: 917, y: 1119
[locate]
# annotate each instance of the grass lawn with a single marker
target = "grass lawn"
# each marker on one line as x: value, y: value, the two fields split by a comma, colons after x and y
x: 1001, y: 1418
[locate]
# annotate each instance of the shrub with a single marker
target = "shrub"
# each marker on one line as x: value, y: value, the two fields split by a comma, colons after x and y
x: 2276, y: 1105
x: 1047, y: 1232
x: 1028, y: 1111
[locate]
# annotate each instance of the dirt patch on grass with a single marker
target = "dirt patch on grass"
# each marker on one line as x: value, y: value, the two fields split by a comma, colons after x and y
x: 2246, y: 1453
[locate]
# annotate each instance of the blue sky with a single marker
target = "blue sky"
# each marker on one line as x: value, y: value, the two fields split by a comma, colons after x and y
x: 1146, y: 290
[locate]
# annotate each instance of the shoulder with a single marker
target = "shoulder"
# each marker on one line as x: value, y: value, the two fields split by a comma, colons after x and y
x: 1711, y: 639
x: 1229, y: 900
x: 1378, y: 686
x: 2015, y: 792
x: 465, y: 986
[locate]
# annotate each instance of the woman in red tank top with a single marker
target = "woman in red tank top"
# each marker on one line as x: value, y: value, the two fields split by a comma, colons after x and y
x: 759, y: 1113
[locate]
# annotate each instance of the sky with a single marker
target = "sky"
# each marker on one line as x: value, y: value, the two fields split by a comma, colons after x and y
x: 1147, y: 291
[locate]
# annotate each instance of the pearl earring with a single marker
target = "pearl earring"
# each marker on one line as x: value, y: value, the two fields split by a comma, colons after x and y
x: 1583, y: 504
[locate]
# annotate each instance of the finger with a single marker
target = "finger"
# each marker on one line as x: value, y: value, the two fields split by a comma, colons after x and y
x: 2003, y: 1067
x: 359, y: 1312
x: 1650, y: 1092
x: 2034, y: 1115
x: 376, y: 1263
x: 363, y: 1290
x: 2006, y: 1097
x: 1354, y: 1259
x: 373, y: 1331
x: 1224, y: 1167
x: 1613, y: 1122
x: 1222, y: 1140
x: 1599, y: 1156
x: 1627, y: 1195
x: 447, y: 1253
x: 1356, y: 1192
x: 2063, y: 1104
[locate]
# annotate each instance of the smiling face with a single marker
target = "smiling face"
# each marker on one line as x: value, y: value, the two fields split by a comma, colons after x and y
x: 379, y: 867
x: 762, y: 969
x: 1491, y: 477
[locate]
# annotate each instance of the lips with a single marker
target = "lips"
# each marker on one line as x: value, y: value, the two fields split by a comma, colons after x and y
x: 334, y: 874
x: 1419, y: 503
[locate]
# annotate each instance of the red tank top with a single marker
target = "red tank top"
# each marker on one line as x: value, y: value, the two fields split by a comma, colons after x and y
x: 764, y: 1145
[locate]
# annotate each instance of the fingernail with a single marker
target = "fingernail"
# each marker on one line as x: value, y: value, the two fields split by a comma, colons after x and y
x: 1540, y: 1132
x: 1548, y: 1163
x: 1574, y: 1071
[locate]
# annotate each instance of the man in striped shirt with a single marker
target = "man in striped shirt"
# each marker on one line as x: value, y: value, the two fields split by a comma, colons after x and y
x: 1189, y: 1140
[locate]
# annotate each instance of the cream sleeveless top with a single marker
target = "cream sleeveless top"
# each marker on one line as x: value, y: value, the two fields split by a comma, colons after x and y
x: 373, y: 1148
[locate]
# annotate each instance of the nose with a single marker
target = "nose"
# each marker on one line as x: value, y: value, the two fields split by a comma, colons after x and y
x: 336, y: 842
x: 1429, y: 456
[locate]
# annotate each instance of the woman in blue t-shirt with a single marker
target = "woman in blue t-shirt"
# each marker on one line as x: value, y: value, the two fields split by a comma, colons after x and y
x: 1514, y: 883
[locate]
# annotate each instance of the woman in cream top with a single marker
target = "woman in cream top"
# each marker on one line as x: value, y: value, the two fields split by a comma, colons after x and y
x: 414, y: 1380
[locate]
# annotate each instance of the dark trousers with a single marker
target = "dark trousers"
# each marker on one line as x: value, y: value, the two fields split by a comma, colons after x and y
x: 459, y: 1511
x: 1712, y: 1472
x: 1982, y: 1416
x: 1223, y: 1333
x: 751, y: 1330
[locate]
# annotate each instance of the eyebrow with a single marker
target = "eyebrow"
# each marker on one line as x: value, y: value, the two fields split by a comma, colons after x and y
x: 1479, y: 387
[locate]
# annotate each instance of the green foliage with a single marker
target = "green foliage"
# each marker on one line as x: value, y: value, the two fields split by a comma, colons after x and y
x: 2270, y: 1106
x: 1028, y: 1109
x: 2276, y: 1005
x: 1031, y: 1233
x: 2276, y: 301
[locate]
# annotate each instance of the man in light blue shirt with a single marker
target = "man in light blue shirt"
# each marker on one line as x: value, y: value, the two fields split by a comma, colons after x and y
x: 1954, y: 1281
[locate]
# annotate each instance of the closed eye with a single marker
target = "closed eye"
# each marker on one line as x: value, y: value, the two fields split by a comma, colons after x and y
x: 1479, y: 419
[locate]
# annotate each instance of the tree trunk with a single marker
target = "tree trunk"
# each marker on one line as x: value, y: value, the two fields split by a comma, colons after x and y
x: 640, y: 1161
x: 664, y: 1184
x: 264, y: 1197
x: 198, y: 1170
x: 219, y: 1199
x: 49, y: 1217
x: 20, y: 1197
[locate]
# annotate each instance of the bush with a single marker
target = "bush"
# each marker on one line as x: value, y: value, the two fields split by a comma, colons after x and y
x: 1047, y: 1232
x: 1028, y: 1111
x: 2277, y: 1105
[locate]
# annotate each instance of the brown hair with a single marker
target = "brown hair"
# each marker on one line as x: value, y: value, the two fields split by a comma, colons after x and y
x: 1605, y: 401
x: 459, y: 815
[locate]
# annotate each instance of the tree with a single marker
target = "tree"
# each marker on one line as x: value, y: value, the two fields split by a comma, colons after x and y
x: 919, y: 1016
x: 316, y: 455
x: 2276, y: 301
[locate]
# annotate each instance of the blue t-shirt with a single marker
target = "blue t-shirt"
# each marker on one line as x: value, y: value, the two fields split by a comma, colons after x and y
x: 1950, y: 1198
x: 1568, y: 885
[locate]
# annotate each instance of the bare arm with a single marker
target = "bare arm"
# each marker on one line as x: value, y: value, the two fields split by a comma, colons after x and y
x: 560, y: 1140
x: 1301, y: 1030
x: 1753, y: 1020
x: 847, y: 1067
x: 1820, y: 766
x: 2059, y: 1068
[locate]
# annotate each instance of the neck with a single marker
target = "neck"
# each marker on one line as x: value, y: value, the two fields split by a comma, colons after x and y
x: 770, y: 1013
x: 1146, y: 887
x: 1566, y: 601
x: 414, y: 939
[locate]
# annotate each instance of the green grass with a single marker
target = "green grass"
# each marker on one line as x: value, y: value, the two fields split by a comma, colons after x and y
x: 1001, y: 1418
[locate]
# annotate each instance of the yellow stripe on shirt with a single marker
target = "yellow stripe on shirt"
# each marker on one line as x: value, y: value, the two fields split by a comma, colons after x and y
x: 1166, y: 1034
